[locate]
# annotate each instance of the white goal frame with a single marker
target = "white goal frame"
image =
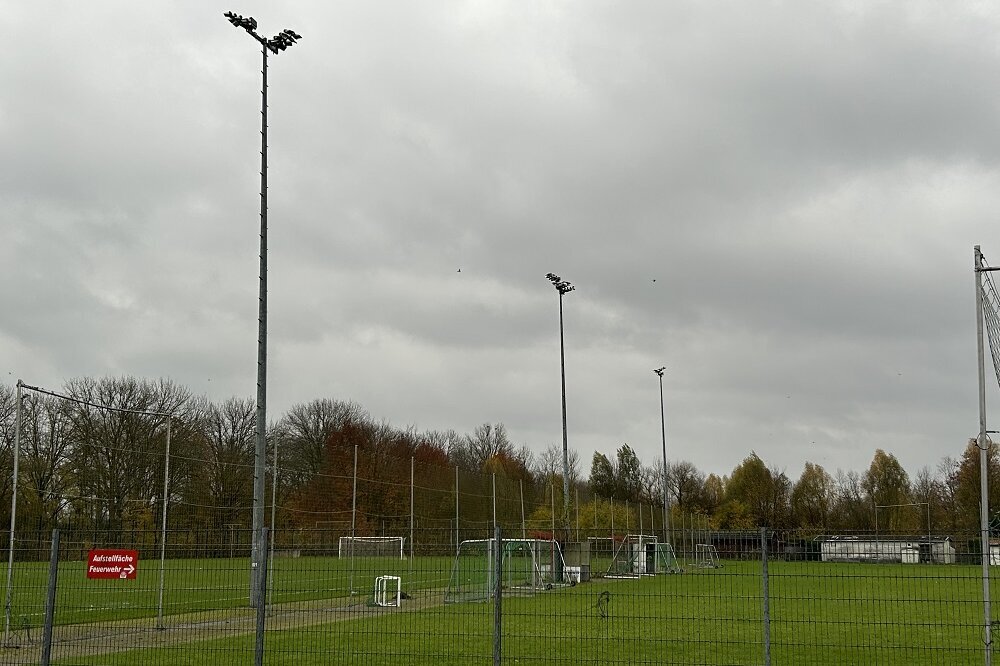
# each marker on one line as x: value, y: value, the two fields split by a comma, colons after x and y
x: 347, y: 546
x: 642, y: 555
x: 387, y: 591
x: 706, y: 556
x: 527, y: 566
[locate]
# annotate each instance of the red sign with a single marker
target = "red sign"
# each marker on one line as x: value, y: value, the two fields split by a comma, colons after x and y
x: 120, y: 564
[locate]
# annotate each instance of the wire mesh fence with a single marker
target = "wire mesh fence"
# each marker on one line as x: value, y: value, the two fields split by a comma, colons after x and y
x: 131, y: 532
x: 753, y: 597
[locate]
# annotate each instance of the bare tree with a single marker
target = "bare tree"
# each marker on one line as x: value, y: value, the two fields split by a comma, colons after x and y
x: 486, y: 441
x: 226, y: 477
x: 118, y: 452
x: 303, y: 432
x: 686, y: 483
x: 549, y: 464
x: 47, y: 451
x: 852, y: 510
x: 7, y: 417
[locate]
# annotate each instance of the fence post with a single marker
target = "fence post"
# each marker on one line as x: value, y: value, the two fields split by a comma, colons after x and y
x: 498, y: 597
x: 261, y: 598
x: 50, y: 599
x: 766, y: 599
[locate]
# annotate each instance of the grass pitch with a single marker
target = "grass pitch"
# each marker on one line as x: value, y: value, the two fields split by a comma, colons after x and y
x: 820, y: 613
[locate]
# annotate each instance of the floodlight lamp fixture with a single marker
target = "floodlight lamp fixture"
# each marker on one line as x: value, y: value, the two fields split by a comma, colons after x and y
x: 282, y: 40
x: 279, y: 42
x: 249, y: 23
x: 659, y: 371
x: 562, y: 286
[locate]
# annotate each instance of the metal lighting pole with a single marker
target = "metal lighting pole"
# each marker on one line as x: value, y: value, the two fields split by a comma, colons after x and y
x: 279, y: 42
x: 563, y: 287
x: 663, y: 436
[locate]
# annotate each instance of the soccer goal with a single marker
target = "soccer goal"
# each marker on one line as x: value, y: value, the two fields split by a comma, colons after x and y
x: 527, y: 566
x: 642, y: 555
x: 384, y: 546
x: 706, y: 556
x: 387, y: 591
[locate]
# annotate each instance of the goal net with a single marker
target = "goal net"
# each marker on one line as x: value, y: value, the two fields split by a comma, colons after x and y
x: 706, y: 556
x: 385, y: 546
x: 527, y: 566
x: 642, y: 555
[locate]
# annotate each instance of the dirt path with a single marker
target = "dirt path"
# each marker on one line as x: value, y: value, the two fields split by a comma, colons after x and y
x: 93, y: 639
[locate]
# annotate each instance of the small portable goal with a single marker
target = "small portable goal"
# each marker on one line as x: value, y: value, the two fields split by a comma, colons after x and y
x: 706, y: 556
x: 387, y: 591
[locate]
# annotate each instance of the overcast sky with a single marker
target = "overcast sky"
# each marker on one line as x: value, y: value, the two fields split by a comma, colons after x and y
x: 776, y: 200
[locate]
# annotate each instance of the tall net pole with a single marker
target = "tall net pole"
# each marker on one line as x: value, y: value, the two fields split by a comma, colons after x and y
x: 274, y: 510
x: 412, y: 463
x: 163, y: 528
x: 354, y: 514
x: 983, y: 467
x: 13, y: 517
x: 520, y: 488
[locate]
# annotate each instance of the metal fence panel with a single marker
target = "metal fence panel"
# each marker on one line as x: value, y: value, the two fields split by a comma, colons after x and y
x: 838, y: 599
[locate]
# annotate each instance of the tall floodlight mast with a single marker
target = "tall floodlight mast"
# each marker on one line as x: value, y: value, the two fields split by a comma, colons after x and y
x: 563, y: 287
x: 275, y: 44
x: 663, y: 436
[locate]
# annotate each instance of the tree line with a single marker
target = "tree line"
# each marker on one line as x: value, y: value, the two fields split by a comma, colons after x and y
x: 883, y: 497
x: 101, y: 471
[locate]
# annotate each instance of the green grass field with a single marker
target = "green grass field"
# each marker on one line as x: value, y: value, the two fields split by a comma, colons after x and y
x: 821, y: 613
x: 194, y: 585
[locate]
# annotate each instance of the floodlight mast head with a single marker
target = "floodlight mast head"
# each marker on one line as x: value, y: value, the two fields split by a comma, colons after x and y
x: 279, y: 42
x: 562, y: 286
